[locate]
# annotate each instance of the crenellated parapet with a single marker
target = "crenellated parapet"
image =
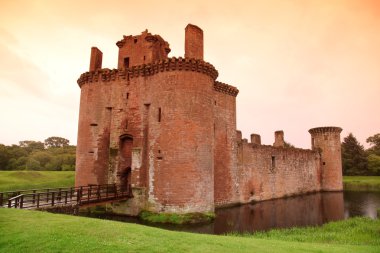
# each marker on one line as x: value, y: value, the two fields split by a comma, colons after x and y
x: 328, y: 129
x: 225, y: 88
x: 169, y: 64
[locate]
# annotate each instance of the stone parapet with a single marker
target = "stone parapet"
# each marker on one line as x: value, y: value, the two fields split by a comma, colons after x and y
x: 170, y: 64
x: 328, y: 129
x: 225, y: 88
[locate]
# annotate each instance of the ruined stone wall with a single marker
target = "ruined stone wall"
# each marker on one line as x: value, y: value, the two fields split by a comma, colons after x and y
x: 268, y: 172
x: 142, y: 49
x: 225, y: 163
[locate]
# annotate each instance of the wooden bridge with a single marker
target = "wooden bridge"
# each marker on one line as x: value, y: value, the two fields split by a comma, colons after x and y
x: 75, y: 196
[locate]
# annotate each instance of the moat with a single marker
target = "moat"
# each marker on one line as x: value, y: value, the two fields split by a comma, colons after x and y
x: 308, y: 210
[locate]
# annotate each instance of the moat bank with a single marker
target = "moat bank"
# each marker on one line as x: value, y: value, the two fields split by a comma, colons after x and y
x: 301, y: 211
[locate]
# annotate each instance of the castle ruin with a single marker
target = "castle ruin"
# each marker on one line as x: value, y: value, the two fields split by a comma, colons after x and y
x: 165, y: 126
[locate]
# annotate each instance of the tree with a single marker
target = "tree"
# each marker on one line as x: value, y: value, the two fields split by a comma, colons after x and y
x: 374, y: 164
x: 55, y: 141
x: 31, y: 146
x: 353, y: 157
x: 374, y: 140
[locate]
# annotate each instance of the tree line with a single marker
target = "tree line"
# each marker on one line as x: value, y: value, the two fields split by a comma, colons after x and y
x: 358, y: 161
x: 55, y: 153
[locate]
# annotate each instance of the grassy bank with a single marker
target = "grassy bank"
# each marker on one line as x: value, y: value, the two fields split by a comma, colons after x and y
x: 31, y: 231
x: 19, y: 180
x: 176, y: 218
x: 361, y: 183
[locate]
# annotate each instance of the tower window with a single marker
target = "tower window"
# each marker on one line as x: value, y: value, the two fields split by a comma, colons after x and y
x: 159, y: 114
x: 126, y: 62
x: 127, y: 95
x: 135, y: 41
x: 273, y: 162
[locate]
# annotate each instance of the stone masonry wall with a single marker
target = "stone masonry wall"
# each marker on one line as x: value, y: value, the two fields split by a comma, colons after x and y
x: 267, y: 172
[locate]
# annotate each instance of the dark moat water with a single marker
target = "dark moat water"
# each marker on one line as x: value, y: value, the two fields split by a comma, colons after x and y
x: 308, y: 210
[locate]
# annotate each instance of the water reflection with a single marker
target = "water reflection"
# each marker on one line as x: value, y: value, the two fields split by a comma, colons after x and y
x: 308, y: 210
x: 301, y: 211
x: 361, y: 204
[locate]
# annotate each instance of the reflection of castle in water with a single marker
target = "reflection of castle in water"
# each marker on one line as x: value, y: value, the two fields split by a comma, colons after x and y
x: 308, y: 210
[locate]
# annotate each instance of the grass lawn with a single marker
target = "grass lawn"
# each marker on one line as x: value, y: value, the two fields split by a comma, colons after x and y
x: 361, y: 183
x: 33, y: 231
x: 24, y: 180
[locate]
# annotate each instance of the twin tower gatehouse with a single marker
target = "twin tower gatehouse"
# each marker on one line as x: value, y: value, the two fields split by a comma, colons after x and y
x: 167, y: 127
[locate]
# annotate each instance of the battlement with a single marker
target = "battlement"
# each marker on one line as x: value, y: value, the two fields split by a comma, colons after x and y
x: 328, y: 129
x: 169, y: 64
x: 225, y: 88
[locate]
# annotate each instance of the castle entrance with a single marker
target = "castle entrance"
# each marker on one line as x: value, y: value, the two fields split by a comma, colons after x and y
x: 125, y: 160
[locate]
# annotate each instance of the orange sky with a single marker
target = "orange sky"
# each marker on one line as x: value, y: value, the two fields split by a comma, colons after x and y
x: 297, y: 63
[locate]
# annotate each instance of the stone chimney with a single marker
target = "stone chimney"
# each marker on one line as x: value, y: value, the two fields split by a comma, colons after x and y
x: 96, y: 59
x: 193, y: 42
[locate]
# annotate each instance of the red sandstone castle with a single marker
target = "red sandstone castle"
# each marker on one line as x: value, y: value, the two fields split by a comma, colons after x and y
x: 168, y: 128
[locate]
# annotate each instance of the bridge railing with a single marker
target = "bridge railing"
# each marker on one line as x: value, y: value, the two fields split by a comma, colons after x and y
x: 63, y: 196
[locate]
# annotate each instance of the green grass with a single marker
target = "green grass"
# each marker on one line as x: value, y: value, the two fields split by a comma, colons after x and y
x: 361, y: 183
x: 357, y: 231
x: 24, y: 180
x: 175, y: 218
x: 33, y: 231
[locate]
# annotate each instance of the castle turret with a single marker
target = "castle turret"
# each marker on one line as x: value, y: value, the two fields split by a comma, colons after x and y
x: 327, y: 141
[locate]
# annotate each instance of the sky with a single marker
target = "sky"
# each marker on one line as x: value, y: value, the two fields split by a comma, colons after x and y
x: 298, y: 64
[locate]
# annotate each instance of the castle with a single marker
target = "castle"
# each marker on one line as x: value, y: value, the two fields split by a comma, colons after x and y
x: 168, y: 128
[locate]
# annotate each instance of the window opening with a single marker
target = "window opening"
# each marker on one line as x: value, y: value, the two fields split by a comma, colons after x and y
x: 126, y: 62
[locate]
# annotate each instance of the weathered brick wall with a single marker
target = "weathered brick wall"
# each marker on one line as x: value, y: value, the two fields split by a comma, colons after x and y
x: 93, y: 133
x: 225, y: 169
x: 268, y: 172
x: 181, y: 143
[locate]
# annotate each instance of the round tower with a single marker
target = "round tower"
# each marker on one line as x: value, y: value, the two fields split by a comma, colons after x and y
x: 327, y: 141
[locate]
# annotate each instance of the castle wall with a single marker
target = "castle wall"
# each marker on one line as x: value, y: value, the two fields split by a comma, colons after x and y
x: 181, y: 144
x: 93, y: 133
x: 267, y: 172
x: 225, y: 167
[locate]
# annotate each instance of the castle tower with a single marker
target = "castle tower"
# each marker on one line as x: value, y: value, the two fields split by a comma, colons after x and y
x: 150, y: 123
x: 327, y: 140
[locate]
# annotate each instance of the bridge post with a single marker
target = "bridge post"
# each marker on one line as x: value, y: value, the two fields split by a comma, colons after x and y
x: 98, y: 192
x: 79, y: 192
x: 66, y: 193
x: 38, y: 200
x: 22, y: 201
x: 34, y: 197
x: 52, y: 198
x: 89, y: 193
x: 1, y: 199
